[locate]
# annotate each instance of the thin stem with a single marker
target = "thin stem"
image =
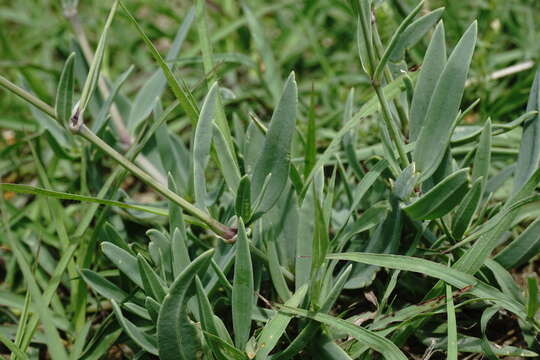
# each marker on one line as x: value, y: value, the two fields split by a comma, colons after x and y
x: 391, y: 126
x: 125, y: 138
x: 220, y: 229
x: 25, y: 95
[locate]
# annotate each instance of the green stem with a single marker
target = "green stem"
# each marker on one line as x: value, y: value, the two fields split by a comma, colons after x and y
x: 25, y: 95
x: 220, y: 229
x: 391, y: 126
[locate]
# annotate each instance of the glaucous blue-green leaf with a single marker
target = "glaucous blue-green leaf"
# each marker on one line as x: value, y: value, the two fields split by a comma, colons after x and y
x: 152, y: 89
x: 145, y: 341
x: 529, y: 151
x: 522, y: 248
x: 482, y: 158
x: 124, y: 261
x: 274, y: 160
x: 431, y: 70
x: 405, y: 183
x: 276, y: 326
x: 152, y: 284
x: 364, y: 35
x: 466, y: 210
x: 202, y: 143
x: 243, y: 199
x: 441, y: 199
x: 414, y: 32
x: 436, y: 129
x: 64, y: 94
x: 242, y: 292
x: 176, y: 335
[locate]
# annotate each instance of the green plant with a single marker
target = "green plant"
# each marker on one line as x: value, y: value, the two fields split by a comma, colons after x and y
x: 262, y: 242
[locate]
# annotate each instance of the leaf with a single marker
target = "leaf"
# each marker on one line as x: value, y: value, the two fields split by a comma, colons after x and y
x: 178, y: 87
x: 443, y: 108
x: 32, y: 190
x: 486, y: 347
x: 152, y: 284
x: 414, y: 32
x: 482, y: 159
x: 145, y: 341
x: 396, y: 38
x: 202, y: 143
x: 101, y: 119
x: 405, y: 183
x: 456, y: 278
x: 179, y: 251
x: 152, y: 89
x: 529, y: 150
x: 378, y: 343
x: 441, y: 199
x: 173, y: 327
x: 275, y: 272
x: 276, y: 326
x: 64, y: 94
x: 452, y: 353
x: 94, y: 71
x: 522, y: 248
x: 432, y: 67
x: 243, y: 199
x: 124, y: 261
x: 466, y: 210
x: 103, y: 286
x: 274, y: 160
x: 243, y: 289
x: 364, y: 36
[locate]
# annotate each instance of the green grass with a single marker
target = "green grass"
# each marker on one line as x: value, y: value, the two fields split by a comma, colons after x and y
x: 285, y: 180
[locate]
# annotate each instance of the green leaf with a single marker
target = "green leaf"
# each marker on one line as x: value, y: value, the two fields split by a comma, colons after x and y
x: 152, y: 284
x: 414, y: 32
x: 274, y: 160
x: 466, y: 210
x: 441, y: 199
x: 482, y: 159
x: 443, y: 108
x: 364, y: 36
x: 447, y: 274
x: 243, y: 199
x: 378, y: 343
x: 32, y: 190
x: 529, y: 150
x: 486, y: 346
x: 94, y: 71
x: 64, y: 94
x: 178, y: 87
x: 522, y: 248
x: 103, y: 286
x: 151, y: 91
x: 179, y: 251
x: 243, y: 289
x: 202, y: 143
x: 452, y: 353
x: 405, y: 183
x: 175, y: 332
x: 275, y: 272
x: 145, y: 341
x: 276, y: 326
x: 396, y: 38
x: 124, y: 261
x: 432, y: 67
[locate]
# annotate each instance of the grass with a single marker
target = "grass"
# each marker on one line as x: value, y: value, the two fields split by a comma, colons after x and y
x: 321, y: 179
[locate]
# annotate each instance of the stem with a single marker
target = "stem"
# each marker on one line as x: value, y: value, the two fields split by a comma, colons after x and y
x: 220, y: 229
x: 391, y: 126
x: 25, y: 95
x: 125, y: 138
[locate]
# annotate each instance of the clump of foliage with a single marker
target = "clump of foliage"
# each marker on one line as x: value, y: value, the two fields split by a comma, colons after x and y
x: 259, y: 243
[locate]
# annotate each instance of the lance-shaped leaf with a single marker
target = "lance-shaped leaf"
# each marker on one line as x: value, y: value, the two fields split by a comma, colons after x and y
x: 242, y: 292
x: 443, y: 108
x: 441, y: 199
x: 202, y: 144
x: 144, y: 340
x: 364, y: 36
x: 467, y: 209
x: 413, y: 33
x: 529, y: 151
x: 274, y: 160
x: 64, y: 95
x: 176, y: 339
x: 482, y: 159
x: 123, y: 260
x: 243, y: 199
x: 522, y: 248
x: 431, y: 70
